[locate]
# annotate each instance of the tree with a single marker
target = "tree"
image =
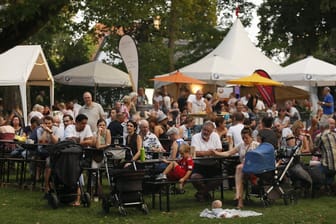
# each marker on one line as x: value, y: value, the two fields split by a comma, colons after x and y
x: 298, y: 28
x: 19, y: 20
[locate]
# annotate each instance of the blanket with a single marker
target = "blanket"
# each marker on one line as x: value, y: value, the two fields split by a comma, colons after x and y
x: 227, y: 213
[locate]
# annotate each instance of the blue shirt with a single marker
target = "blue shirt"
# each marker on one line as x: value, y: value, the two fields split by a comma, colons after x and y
x: 328, y: 109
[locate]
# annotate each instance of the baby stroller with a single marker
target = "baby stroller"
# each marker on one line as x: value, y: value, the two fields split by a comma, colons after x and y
x: 125, y: 183
x: 271, y: 183
x: 65, y: 163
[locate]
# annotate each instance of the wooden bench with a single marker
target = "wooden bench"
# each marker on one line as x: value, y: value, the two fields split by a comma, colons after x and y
x: 164, y: 186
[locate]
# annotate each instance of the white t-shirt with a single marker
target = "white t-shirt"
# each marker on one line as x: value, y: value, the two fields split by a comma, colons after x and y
x: 197, y: 106
x: 71, y: 132
x: 235, y: 133
x: 214, y: 142
x: 260, y: 106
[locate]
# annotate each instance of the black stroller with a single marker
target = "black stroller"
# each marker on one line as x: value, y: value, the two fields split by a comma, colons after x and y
x: 125, y: 183
x: 65, y: 163
x: 272, y: 181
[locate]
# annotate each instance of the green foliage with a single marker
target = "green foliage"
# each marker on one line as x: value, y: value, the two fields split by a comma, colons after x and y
x: 27, y: 207
x: 298, y: 28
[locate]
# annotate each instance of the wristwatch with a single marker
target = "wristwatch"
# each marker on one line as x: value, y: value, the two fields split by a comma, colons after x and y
x: 323, y: 103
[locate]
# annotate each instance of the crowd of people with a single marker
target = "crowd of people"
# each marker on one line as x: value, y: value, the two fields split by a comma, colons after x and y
x: 238, y: 124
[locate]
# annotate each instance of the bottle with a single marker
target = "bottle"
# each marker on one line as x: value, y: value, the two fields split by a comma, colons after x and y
x: 189, y: 133
x: 142, y: 154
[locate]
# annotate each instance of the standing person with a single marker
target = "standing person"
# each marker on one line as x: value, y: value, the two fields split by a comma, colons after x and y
x: 197, y: 104
x: 142, y: 98
x: 182, y: 100
x: 328, y: 102
x: 204, y: 143
x: 94, y: 111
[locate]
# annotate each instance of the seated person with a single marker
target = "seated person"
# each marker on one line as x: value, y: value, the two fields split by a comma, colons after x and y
x: 101, y: 140
x: 47, y: 134
x: 133, y: 141
x: 247, y: 145
x: 81, y: 133
x: 204, y: 144
x: 180, y: 170
x: 150, y: 141
x: 296, y: 170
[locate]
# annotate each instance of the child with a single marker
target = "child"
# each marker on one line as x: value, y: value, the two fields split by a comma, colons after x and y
x: 180, y: 170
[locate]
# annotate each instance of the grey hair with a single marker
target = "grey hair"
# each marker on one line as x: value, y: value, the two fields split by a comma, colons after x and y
x: 324, y: 124
x: 143, y: 122
x: 209, y: 124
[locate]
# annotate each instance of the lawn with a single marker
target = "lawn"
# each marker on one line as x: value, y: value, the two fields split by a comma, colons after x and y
x: 25, y: 206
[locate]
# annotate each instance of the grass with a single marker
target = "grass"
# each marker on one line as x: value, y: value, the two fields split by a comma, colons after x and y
x: 25, y: 206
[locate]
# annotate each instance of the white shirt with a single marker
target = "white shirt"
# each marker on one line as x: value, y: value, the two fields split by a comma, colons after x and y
x: 260, y: 106
x: 71, y: 132
x: 198, y: 142
x: 197, y: 106
x: 235, y: 133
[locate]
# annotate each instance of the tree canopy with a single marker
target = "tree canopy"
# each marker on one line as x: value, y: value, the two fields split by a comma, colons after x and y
x: 298, y: 28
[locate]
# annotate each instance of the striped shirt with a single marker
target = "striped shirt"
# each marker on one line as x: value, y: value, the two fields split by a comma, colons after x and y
x: 326, y: 143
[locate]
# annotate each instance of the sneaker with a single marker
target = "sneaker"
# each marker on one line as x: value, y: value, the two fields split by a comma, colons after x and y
x: 161, y: 177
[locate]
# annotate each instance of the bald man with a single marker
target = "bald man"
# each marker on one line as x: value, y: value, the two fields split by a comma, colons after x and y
x: 94, y: 111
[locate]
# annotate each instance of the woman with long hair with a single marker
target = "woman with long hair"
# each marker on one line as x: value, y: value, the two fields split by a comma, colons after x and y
x: 248, y: 144
x: 133, y: 141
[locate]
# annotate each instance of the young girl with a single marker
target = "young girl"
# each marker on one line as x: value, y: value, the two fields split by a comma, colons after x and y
x: 180, y: 170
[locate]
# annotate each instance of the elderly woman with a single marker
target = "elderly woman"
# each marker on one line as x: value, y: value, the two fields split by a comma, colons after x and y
x: 248, y: 144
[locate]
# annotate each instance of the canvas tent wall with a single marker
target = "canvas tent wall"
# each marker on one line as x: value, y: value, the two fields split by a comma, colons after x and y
x: 235, y: 57
x: 26, y: 66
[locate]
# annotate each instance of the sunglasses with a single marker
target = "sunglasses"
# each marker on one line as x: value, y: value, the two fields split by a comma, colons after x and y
x: 290, y: 138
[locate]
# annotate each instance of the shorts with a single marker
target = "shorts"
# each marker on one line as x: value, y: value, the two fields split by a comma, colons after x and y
x: 177, y: 173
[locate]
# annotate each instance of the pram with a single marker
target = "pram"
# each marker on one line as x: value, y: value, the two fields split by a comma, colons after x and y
x: 125, y: 183
x: 271, y: 183
x: 65, y: 163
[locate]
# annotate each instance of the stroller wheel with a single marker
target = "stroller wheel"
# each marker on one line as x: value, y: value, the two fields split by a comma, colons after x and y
x: 86, y: 200
x: 106, y: 205
x: 122, y: 211
x: 53, y: 200
x: 144, y: 209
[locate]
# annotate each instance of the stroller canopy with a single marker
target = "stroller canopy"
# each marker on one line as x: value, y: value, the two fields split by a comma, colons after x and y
x: 260, y: 160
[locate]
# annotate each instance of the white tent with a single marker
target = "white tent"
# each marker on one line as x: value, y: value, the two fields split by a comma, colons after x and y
x: 25, y: 66
x: 235, y: 57
x: 309, y: 71
x: 94, y: 74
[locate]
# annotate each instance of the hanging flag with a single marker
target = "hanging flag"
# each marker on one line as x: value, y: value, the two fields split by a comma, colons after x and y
x: 129, y: 54
x: 266, y: 92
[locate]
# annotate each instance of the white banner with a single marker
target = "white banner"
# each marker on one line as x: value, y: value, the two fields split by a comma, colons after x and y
x: 129, y: 54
